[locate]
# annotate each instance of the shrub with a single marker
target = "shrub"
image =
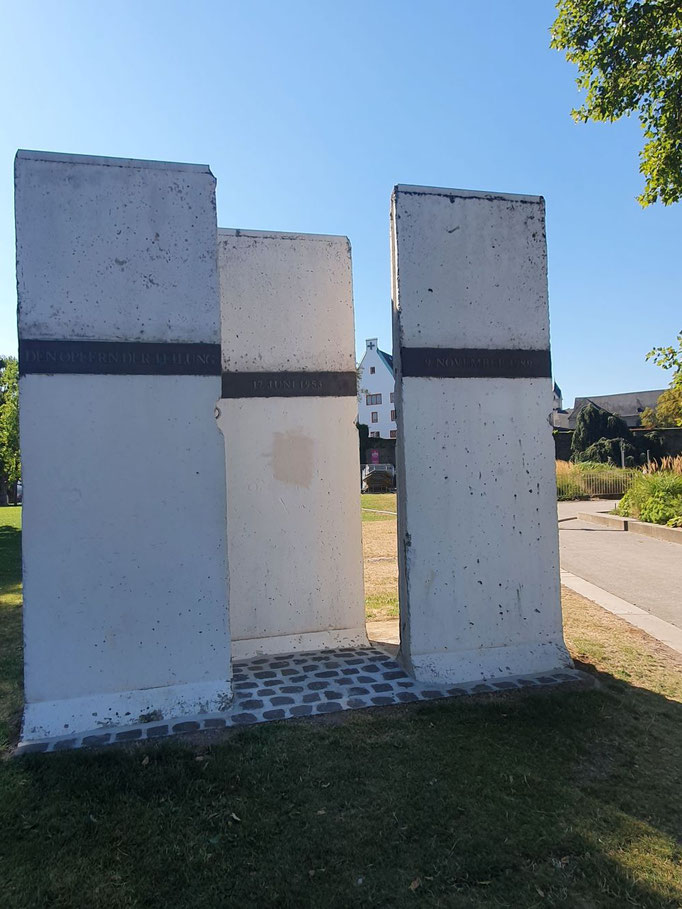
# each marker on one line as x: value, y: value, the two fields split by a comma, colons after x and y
x: 598, y: 436
x: 661, y: 509
x: 607, y: 451
x: 654, y: 497
x: 594, y: 424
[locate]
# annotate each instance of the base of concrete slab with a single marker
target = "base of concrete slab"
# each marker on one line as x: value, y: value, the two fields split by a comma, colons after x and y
x: 70, y: 716
x: 662, y: 631
x: 489, y: 663
x: 306, y: 685
x: 332, y: 639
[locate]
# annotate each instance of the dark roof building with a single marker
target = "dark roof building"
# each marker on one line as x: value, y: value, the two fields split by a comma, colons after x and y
x: 628, y: 406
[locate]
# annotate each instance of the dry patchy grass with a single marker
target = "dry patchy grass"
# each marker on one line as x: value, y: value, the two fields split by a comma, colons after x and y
x: 379, y: 543
x: 611, y: 646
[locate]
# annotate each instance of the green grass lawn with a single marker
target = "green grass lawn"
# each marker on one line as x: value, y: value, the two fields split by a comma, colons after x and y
x: 559, y: 799
x: 10, y: 624
x: 373, y: 504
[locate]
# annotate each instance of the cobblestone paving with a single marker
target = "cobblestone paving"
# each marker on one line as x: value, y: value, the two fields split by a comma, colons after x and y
x: 304, y: 685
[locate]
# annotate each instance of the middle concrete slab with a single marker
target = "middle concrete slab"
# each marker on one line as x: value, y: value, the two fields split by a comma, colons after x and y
x: 292, y: 461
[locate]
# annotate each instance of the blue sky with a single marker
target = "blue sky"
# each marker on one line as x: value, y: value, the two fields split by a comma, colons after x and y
x: 309, y: 113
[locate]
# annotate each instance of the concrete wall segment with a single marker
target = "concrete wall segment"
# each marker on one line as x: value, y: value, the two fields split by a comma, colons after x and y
x: 124, y: 551
x: 288, y: 301
x: 292, y: 463
x: 471, y: 285
x: 120, y: 587
x: 478, y: 539
x: 111, y: 251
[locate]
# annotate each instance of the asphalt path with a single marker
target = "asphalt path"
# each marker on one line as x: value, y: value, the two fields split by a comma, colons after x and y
x: 642, y: 571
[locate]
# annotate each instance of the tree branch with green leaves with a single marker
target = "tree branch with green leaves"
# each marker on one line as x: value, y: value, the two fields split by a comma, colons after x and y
x: 629, y: 59
x: 668, y: 411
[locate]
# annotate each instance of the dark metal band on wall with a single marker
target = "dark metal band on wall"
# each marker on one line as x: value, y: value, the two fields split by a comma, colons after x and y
x: 289, y: 384
x: 118, y: 358
x: 474, y: 363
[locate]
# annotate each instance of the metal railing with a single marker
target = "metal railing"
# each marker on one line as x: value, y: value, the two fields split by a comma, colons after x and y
x: 586, y: 484
x: 382, y: 468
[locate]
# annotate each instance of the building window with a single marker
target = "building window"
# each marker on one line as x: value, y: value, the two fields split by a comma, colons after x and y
x: 394, y: 433
x: 375, y: 417
x: 372, y: 370
x: 392, y: 396
x: 372, y: 399
x: 374, y: 435
x: 393, y: 415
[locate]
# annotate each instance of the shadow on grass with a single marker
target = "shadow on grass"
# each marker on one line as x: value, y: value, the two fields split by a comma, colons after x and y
x: 11, y: 657
x: 10, y: 562
x: 565, y: 799
x: 559, y: 799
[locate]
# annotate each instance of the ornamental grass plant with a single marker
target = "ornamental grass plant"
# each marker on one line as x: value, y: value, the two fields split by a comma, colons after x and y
x: 585, y: 480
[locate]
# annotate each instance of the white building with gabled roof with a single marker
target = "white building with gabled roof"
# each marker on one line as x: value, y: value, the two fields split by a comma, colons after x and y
x: 376, y: 386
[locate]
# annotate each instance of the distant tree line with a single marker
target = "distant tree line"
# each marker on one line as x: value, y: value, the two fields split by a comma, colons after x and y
x: 10, y: 457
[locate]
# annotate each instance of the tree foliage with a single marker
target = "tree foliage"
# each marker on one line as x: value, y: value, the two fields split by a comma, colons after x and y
x: 602, y: 436
x: 668, y: 411
x: 629, y: 58
x: 608, y: 451
x: 10, y: 460
x: 670, y: 357
x: 592, y: 424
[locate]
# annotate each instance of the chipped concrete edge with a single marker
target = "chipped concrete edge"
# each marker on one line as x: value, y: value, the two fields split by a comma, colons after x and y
x: 415, y: 190
x: 25, y: 154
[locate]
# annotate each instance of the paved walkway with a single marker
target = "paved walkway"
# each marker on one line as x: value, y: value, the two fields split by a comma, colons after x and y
x: 644, y: 572
x: 616, y: 569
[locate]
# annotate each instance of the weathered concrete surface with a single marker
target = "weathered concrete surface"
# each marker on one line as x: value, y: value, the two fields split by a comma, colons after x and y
x: 125, y: 583
x: 294, y: 541
x: 116, y: 249
x: 478, y: 548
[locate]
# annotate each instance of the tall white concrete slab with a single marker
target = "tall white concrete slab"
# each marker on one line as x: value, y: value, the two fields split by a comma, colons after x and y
x: 291, y: 446
x: 124, y: 550
x: 477, y: 521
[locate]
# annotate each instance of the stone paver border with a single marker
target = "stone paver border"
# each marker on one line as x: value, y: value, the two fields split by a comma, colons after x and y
x: 305, y: 685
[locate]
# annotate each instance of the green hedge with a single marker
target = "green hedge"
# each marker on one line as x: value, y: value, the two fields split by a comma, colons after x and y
x: 655, y: 498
